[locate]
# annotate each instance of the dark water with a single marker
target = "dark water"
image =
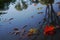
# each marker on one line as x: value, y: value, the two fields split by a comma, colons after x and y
x: 20, y: 17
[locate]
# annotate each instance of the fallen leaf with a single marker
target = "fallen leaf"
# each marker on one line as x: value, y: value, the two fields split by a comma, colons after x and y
x: 49, y: 30
x: 24, y: 26
x: 40, y: 12
x: 11, y: 19
x: 15, y: 29
x: 7, y: 20
x: 58, y: 13
x: 39, y: 8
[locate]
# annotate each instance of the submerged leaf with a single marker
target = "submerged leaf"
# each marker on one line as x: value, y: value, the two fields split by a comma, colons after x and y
x: 24, y: 26
x: 40, y: 12
x: 32, y: 16
x: 58, y: 14
x: 39, y: 23
x: 11, y: 19
x: 44, y: 19
x: 15, y: 29
x: 58, y: 3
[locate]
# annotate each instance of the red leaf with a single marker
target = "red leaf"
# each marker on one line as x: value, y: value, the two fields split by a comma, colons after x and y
x: 48, y: 30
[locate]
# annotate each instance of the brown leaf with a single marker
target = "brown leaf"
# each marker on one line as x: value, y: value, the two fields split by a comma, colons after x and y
x: 58, y: 14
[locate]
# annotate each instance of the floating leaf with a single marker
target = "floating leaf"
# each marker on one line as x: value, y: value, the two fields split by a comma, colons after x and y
x: 39, y: 8
x: 49, y: 30
x: 33, y: 31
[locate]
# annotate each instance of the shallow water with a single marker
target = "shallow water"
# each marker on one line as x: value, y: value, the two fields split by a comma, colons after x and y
x: 21, y: 18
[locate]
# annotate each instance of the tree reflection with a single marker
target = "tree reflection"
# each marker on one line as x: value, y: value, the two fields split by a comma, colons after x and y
x: 34, y: 1
x: 18, y: 6
x: 50, y: 11
x: 5, y: 3
x: 21, y: 5
x: 2, y: 13
x: 24, y: 5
